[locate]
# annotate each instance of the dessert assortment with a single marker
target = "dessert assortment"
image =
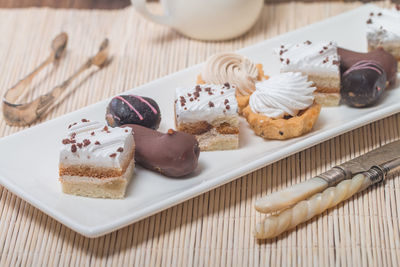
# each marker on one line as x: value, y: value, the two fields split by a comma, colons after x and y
x: 320, y: 62
x: 363, y: 83
x: 133, y: 109
x: 210, y: 113
x: 383, y: 31
x: 387, y: 61
x: 282, y: 107
x: 234, y: 69
x: 97, y: 160
x: 173, y: 154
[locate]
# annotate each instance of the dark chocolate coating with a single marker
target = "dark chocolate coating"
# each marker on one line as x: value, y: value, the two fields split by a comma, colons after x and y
x: 131, y: 109
x: 363, y: 84
x: 173, y: 154
x: 348, y: 58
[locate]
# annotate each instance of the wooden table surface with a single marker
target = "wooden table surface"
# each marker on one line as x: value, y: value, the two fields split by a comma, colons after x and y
x: 213, y: 229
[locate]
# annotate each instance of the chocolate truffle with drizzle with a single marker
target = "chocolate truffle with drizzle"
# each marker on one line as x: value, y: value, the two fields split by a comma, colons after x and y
x: 133, y: 109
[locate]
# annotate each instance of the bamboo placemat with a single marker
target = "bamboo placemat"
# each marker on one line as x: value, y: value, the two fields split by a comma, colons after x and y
x: 213, y: 229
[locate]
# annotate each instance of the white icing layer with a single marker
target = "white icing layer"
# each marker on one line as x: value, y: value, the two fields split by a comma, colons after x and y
x: 231, y: 68
x: 205, y: 103
x: 310, y: 58
x: 95, y: 144
x: 383, y: 27
x: 282, y: 94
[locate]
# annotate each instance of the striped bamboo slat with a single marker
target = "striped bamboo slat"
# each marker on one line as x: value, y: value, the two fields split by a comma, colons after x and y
x: 213, y: 229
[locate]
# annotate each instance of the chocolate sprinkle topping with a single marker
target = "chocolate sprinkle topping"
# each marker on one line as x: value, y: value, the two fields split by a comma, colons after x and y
x: 369, y: 21
x: 113, y: 155
x: 120, y: 149
x: 66, y: 141
x: 92, y: 133
x: 307, y: 42
x: 287, y: 61
x: 226, y: 101
x: 227, y: 107
x: 211, y: 104
x: 84, y: 120
x: 86, y: 142
x: 227, y: 85
x: 73, y: 148
x: 97, y: 143
x: 379, y: 14
x: 79, y: 145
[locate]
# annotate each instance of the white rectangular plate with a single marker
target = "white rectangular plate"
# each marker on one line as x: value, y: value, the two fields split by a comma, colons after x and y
x: 29, y: 159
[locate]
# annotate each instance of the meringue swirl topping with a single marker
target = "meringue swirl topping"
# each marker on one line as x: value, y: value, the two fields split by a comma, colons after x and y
x: 231, y: 68
x: 281, y: 95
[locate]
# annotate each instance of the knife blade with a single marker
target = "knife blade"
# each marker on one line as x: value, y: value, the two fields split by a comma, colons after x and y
x: 291, y: 195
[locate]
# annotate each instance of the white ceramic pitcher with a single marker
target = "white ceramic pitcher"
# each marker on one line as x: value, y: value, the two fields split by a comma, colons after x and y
x: 206, y: 19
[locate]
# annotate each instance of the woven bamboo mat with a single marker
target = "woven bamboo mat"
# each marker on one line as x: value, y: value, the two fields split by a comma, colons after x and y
x: 213, y: 229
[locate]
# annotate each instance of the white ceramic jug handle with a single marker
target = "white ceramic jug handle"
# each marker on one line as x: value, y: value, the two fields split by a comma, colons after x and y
x: 140, y: 6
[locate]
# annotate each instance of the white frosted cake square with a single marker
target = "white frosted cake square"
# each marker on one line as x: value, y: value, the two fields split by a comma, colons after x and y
x: 209, y: 112
x: 320, y: 62
x: 96, y: 160
x: 383, y: 30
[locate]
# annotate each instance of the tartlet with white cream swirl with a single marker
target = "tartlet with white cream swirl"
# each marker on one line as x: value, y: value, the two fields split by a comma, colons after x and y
x: 282, y: 107
x: 234, y: 69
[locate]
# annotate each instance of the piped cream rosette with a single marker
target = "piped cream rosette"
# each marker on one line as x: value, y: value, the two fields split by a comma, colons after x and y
x: 236, y: 70
x: 282, y: 107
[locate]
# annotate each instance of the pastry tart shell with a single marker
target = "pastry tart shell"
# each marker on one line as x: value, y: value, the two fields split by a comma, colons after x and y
x: 282, y: 129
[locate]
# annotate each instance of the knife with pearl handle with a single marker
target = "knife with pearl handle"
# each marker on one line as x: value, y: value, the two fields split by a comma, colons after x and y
x: 296, y: 193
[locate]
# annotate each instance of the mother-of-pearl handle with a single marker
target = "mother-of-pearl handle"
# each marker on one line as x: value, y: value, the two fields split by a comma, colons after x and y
x: 274, y: 225
x: 140, y: 6
x: 290, y: 196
